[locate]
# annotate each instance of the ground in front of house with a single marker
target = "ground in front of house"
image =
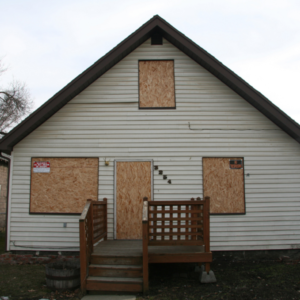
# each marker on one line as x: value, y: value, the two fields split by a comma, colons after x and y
x: 249, y: 279
x: 235, y: 280
x: 2, y: 242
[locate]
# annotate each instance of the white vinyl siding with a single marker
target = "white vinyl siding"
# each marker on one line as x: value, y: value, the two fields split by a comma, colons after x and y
x: 104, y: 121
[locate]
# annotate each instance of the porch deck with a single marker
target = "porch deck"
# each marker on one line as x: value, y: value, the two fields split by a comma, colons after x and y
x: 135, y: 248
x: 172, y: 232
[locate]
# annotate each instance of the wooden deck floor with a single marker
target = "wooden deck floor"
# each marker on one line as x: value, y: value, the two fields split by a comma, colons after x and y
x: 134, y: 248
x: 119, y: 248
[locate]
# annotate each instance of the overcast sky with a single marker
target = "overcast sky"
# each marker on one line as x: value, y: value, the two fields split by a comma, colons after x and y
x: 48, y: 43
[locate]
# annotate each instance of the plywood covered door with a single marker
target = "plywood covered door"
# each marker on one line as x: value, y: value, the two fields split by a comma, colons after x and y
x: 133, y: 183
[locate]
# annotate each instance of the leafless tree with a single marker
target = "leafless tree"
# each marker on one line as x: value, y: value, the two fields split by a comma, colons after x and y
x: 15, y: 103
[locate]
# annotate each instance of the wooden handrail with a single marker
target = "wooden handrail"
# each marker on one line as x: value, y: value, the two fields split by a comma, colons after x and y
x: 145, y: 246
x: 85, y: 210
x: 173, y: 202
x: 92, y: 228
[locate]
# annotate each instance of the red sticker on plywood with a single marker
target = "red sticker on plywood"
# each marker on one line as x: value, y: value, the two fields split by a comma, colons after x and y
x: 236, y: 164
x: 41, y: 167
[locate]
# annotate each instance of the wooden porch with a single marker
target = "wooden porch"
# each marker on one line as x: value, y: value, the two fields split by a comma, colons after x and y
x: 173, y: 232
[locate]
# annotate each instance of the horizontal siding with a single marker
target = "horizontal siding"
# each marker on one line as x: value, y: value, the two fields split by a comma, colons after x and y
x: 209, y: 120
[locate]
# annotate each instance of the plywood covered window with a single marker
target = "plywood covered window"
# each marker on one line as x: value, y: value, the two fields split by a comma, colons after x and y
x: 223, y: 182
x: 156, y: 84
x: 62, y: 185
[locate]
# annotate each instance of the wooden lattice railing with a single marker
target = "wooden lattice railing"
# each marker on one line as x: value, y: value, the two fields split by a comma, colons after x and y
x: 174, y: 223
x: 92, y: 228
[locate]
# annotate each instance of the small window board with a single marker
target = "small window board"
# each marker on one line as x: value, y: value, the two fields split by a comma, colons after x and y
x: 156, y: 84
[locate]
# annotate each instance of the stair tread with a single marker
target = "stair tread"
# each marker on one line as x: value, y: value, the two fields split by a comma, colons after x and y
x: 114, y: 279
x: 116, y: 266
x: 116, y: 260
x: 115, y: 255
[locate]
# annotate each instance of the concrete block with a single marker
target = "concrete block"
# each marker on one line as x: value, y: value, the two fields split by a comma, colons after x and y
x: 208, y: 278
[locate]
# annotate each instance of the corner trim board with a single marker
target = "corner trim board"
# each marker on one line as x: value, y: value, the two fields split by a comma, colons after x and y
x: 9, y: 201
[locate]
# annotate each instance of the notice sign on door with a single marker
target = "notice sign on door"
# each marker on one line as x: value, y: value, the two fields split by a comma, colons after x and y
x: 236, y: 164
x: 41, y: 167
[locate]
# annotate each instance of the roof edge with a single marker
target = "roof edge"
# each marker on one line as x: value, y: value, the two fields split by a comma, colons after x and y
x: 130, y: 43
x: 235, y: 82
x: 78, y: 84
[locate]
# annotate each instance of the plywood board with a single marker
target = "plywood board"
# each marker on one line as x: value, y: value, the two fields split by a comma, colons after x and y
x: 224, y: 186
x: 65, y: 189
x: 133, y: 183
x: 156, y: 83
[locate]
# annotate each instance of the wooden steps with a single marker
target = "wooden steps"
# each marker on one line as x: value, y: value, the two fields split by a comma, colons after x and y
x: 130, y: 271
x: 114, y: 273
x: 101, y: 259
x: 114, y: 284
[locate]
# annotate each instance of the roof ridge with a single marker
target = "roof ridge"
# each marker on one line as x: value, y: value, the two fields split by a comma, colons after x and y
x: 131, y: 42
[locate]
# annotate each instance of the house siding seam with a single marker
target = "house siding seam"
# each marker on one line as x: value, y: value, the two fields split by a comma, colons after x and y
x: 104, y: 121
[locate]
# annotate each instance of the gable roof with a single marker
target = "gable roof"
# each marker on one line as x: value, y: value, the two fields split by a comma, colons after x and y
x: 187, y: 46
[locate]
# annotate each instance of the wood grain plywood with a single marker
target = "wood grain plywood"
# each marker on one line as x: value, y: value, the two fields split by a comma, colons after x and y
x: 65, y: 189
x: 156, y: 83
x: 133, y: 183
x: 224, y: 186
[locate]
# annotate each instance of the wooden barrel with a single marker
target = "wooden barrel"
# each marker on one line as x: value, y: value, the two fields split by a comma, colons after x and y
x: 63, y: 275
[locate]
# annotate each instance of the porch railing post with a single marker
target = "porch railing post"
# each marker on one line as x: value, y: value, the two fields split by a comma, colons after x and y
x: 193, y: 222
x: 92, y: 223
x: 83, y: 258
x: 105, y: 218
x: 206, y: 230
x: 145, y: 246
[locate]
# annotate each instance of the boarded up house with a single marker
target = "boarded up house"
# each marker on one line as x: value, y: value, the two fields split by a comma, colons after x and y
x: 161, y: 118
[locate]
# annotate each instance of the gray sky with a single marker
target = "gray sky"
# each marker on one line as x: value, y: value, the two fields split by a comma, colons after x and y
x: 48, y: 43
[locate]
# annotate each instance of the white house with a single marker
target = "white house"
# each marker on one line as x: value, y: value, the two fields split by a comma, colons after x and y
x: 160, y: 117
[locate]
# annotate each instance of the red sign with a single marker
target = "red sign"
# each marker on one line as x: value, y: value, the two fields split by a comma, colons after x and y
x: 236, y: 164
x: 41, y: 164
x: 41, y: 167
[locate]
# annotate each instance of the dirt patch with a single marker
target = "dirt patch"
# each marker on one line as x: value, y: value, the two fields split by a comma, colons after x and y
x: 28, y: 282
x: 235, y: 280
x: 2, y: 242
x: 245, y: 280
x: 11, y: 259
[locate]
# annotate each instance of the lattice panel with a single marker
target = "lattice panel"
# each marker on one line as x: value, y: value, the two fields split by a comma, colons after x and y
x: 175, y: 222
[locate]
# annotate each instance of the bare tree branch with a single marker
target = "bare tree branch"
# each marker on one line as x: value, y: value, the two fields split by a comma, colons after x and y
x: 15, y: 103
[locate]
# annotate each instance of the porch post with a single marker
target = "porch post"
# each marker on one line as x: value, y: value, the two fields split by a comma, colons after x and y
x: 206, y: 230
x: 145, y: 246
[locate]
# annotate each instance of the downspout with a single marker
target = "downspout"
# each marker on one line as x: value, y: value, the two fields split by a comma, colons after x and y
x: 8, y: 200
